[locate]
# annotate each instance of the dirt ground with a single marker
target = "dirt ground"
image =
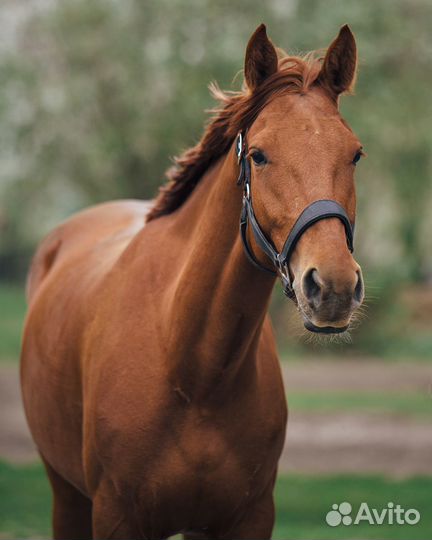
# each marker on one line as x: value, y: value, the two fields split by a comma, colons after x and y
x: 354, y: 442
x: 317, y: 442
x: 358, y: 375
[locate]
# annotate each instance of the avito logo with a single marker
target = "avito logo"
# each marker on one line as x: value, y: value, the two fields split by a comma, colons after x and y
x: 391, y: 514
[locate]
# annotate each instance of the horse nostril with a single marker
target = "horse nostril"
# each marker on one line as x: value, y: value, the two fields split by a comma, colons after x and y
x: 312, y: 286
x: 358, y: 291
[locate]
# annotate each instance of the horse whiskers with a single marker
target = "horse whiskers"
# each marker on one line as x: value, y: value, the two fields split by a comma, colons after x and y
x: 296, y: 327
x: 325, y: 339
x: 360, y: 314
x: 322, y: 339
x: 370, y: 298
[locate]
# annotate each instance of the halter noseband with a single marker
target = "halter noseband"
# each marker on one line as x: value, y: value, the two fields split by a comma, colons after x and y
x: 316, y: 211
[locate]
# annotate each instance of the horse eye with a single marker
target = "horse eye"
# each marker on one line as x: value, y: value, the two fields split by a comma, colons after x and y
x: 357, y: 157
x: 259, y: 158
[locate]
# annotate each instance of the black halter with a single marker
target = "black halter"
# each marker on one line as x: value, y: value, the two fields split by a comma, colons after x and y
x: 321, y: 209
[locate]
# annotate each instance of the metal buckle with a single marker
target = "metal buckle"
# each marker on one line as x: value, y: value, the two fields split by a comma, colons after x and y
x: 284, y: 274
x: 247, y: 190
x: 239, y: 146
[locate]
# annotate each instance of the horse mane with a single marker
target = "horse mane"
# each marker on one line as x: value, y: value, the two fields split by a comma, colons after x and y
x: 236, y: 112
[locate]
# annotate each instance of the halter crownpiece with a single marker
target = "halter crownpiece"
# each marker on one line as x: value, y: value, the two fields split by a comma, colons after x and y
x: 316, y: 211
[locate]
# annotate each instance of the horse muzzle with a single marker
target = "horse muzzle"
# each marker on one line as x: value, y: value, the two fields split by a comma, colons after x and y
x: 328, y: 302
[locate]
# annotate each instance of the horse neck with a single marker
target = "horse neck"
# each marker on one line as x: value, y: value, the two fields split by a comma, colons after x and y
x: 220, y: 299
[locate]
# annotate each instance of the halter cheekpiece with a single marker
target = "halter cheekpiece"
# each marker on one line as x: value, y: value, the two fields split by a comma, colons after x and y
x: 316, y: 211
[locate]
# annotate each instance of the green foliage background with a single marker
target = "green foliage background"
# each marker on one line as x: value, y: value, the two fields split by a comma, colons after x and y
x: 96, y: 97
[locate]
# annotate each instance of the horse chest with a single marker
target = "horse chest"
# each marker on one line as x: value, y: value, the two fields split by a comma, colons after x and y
x: 198, y: 476
x: 189, y: 458
x: 198, y: 461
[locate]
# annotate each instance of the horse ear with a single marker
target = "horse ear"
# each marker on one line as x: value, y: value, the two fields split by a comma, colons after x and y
x: 261, y: 59
x: 338, y: 72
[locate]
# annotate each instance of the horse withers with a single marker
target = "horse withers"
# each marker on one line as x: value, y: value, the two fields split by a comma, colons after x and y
x: 150, y: 376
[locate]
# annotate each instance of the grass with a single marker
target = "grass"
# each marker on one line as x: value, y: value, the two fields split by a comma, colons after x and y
x: 25, y: 502
x: 302, y: 503
x: 12, y: 311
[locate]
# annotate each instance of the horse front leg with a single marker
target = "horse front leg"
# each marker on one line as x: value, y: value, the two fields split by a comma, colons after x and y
x: 72, y: 511
x: 257, y: 522
x: 111, y: 517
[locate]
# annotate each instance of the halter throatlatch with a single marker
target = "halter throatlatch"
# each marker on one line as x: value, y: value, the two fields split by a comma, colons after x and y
x: 316, y: 211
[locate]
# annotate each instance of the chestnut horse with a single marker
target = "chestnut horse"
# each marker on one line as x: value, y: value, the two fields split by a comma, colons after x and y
x: 150, y: 376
